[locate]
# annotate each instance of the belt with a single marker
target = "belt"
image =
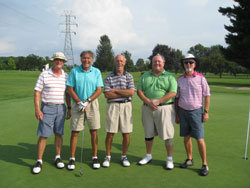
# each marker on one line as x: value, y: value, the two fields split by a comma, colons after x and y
x: 162, y: 104
x: 51, y: 104
x: 119, y: 101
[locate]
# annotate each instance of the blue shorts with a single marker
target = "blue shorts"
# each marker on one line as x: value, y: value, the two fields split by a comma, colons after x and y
x: 53, y: 120
x: 191, y: 123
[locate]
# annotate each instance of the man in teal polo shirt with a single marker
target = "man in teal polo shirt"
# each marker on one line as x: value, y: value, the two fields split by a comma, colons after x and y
x: 84, y: 86
x: 157, y: 90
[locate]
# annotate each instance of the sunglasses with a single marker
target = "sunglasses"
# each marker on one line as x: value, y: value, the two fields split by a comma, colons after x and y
x: 190, y: 62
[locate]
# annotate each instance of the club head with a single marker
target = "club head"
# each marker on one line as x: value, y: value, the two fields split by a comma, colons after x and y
x: 81, y: 172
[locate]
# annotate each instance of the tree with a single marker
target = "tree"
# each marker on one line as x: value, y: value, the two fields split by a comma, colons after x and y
x: 104, y: 55
x: 140, y: 64
x: 238, y: 38
x: 129, y: 62
x: 172, y: 56
x: 199, y: 51
x: 11, y: 64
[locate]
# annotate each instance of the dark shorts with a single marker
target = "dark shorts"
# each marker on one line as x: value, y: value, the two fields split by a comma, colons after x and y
x: 53, y: 120
x: 191, y: 123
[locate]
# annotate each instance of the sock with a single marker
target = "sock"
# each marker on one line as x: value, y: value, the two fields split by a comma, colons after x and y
x: 170, y: 158
x: 72, y: 158
x: 109, y: 157
x: 149, y: 155
x: 57, y: 156
x: 94, y: 158
x: 124, y: 156
x: 40, y: 161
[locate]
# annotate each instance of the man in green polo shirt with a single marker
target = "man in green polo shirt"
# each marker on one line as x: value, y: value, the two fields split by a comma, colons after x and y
x: 157, y: 90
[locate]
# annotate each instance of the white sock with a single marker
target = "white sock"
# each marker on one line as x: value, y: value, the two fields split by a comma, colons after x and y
x: 72, y: 158
x: 109, y: 157
x: 170, y: 158
x: 57, y: 156
x: 124, y: 156
x: 94, y: 158
x: 40, y: 161
x: 149, y: 155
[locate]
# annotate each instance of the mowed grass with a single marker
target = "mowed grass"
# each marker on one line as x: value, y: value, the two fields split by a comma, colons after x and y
x: 225, y: 135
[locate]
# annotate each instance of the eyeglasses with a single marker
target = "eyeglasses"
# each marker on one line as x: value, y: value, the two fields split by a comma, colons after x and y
x: 190, y: 62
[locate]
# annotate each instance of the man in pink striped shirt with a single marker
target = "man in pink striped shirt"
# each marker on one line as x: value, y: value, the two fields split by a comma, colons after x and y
x: 51, y: 89
x: 192, y: 89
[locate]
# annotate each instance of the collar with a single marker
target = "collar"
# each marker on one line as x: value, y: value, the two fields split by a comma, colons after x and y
x: 124, y: 73
x: 194, y: 74
x: 90, y: 70
x: 164, y: 72
x: 51, y: 72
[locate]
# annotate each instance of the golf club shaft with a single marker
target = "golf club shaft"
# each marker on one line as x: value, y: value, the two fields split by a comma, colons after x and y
x: 85, y: 116
x: 247, y: 134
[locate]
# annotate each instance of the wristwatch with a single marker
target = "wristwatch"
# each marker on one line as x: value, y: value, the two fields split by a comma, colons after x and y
x: 89, y: 99
x: 205, y: 111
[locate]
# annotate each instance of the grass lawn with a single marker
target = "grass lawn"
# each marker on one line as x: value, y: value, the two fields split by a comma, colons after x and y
x: 225, y: 135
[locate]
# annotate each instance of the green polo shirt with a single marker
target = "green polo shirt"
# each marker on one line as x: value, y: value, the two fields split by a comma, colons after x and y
x: 155, y: 87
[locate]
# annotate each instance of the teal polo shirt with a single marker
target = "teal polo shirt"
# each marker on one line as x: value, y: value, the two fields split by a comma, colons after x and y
x: 155, y: 87
x: 84, y: 83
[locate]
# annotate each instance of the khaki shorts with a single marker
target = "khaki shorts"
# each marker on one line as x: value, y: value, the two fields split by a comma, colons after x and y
x: 119, y: 117
x: 159, y: 122
x: 92, y: 113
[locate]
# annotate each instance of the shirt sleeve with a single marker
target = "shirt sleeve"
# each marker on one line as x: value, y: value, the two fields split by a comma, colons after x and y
x: 40, y: 83
x: 205, y: 87
x: 173, y: 84
x: 107, y: 84
x: 71, y: 79
x: 140, y: 83
x: 131, y: 84
x: 99, y: 82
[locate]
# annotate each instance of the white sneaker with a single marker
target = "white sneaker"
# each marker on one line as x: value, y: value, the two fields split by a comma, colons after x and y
x: 169, y: 164
x: 71, y: 165
x: 145, y: 160
x: 125, y: 162
x: 106, y: 162
x: 37, y: 168
x: 59, y: 164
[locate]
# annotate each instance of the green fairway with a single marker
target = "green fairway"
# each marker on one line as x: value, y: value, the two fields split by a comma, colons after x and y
x: 225, y: 135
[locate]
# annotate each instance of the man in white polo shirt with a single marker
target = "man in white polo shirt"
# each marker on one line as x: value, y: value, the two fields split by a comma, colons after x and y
x: 51, y: 89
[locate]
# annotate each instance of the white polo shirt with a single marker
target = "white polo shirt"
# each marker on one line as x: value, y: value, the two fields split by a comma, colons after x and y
x: 52, y: 88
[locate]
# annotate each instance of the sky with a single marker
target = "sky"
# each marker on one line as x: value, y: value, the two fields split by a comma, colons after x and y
x: 37, y: 26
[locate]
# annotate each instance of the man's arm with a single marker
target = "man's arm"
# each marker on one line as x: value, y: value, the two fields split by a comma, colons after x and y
x: 73, y: 94
x: 119, y: 93
x: 165, y: 98
x: 96, y: 94
x: 68, y: 102
x: 38, y: 112
x: 206, y: 108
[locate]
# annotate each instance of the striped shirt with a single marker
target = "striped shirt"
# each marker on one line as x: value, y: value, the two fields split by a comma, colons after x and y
x: 124, y: 81
x: 191, y: 91
x: 52, y: 88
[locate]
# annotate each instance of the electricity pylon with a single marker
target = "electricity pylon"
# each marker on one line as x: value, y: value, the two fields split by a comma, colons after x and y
x: 68, y: 50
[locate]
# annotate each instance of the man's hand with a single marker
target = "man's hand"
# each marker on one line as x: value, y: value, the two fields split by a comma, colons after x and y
x: 39, y: 114
x: 82, y: 105
x: 205, y: 117
x: 68, y: 115
x: 153, y: 104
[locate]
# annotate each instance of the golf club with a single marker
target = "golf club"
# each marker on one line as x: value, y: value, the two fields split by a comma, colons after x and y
x: 85, y: 116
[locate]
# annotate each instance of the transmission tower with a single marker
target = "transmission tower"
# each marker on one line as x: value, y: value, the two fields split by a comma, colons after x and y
x: 68, y: 51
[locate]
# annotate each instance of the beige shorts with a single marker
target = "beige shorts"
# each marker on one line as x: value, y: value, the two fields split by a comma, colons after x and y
x: 159, y: 122
x: 92, y: 113
x: 119, y: 118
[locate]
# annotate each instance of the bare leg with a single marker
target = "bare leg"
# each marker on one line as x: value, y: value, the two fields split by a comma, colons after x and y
x: 188, y: 146
x: 108, y: 142
x: 58, y: 143
x: 73, y: 143
x: 125, y: 143
x: 94, y: 141
x: 202, y: 150
x: 41, y: 144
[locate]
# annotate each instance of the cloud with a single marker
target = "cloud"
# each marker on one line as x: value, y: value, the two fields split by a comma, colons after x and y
x: 98, y: 17
x: 198, y: 2
x: 6, y: 46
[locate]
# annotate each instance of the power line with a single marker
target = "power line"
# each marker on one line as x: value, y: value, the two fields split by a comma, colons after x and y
x: 68, y: 51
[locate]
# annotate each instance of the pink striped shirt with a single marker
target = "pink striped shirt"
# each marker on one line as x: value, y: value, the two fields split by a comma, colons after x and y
x: 191, y: 91
x: 52, y: 88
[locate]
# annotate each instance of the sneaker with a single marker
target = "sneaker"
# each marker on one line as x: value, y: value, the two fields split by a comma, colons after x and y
x: 96, y: 164
x: 106, y: 162
x: 188, y: 162
x: 125, y: 162
x: 71, y: 165
x: 59, y: 164
x: 37, y: 168
x: 204, y: 170
x: 169, y: 164
x: 145, y: 160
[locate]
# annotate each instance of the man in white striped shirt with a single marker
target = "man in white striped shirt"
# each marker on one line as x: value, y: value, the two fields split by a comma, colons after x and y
x: 51, y: 90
